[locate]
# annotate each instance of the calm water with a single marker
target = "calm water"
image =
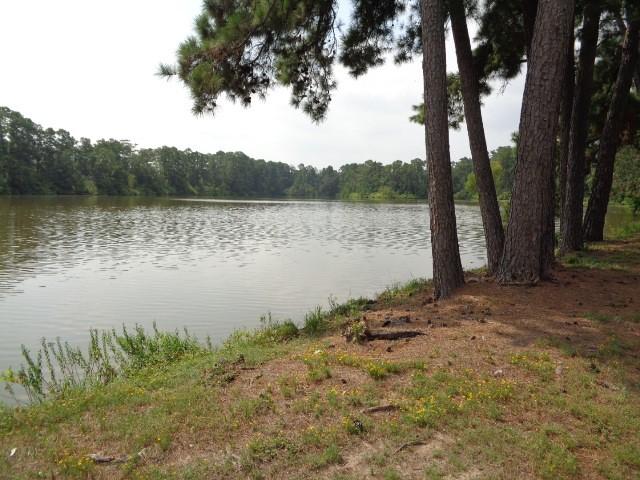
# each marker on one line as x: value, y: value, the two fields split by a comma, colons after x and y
x: 68, y: 264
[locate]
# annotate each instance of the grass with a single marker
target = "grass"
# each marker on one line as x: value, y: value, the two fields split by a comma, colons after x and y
x: 58, y: 368
x: 399, y: 293
x: 628, y: 230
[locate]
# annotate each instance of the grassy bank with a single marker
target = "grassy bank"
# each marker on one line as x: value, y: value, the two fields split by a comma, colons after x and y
x: 498, y: 382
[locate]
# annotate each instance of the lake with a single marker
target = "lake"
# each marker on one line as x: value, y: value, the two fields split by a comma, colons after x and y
x: 68, y: 264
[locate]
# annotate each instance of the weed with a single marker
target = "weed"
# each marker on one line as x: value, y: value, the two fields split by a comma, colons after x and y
x: 539, y: 363
x: 288, y: 386
x: 263, y: 449
x: 56, y: 367
x: 315, y: 322
x: 602, y: 317
x: 397, y: 293
x: 72, y: 466
x: 354, y: 426
x: 377, y: 369
x: 436, y: 398
x: 329, y: 456
x: 391, y: 474
x: 248, y: 408
x: 553, y: 451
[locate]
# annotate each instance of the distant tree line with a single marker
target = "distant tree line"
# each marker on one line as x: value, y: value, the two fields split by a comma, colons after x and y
x: 35, y: 160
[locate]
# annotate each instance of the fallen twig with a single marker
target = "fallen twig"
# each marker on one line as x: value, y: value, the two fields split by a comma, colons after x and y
x: 381, y: 408
x: 415, y: 443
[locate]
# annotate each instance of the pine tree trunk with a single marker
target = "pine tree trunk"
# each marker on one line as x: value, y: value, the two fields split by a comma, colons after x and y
x: 636, y: 75
x: 447, y: 267
x: 548, y: 246
x: 571, y: 223
x: 529, y: 10
x: 610, y: 138
x: 489, y: 207
x: 565, y: 122
x: 526, y: 255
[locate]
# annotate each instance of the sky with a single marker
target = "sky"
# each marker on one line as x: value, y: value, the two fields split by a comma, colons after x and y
x: 89, y: 67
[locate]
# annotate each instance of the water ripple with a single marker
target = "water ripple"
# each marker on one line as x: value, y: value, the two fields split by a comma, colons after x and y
x: 67, y: 264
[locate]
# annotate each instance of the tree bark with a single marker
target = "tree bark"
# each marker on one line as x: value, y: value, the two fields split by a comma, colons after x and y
x: 610, y: 137
x: 636, y: 75
x: 447, y: 267
x: 529, y: 10
x: 526, y: 255
x: 566, y: 108
x: 489, y: 207
x: 571, y: 222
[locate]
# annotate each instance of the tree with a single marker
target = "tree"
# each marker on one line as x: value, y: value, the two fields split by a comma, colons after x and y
x: 447, y: 267
x: 610, y: 137
x: 526, y: 254
x: 571, y: 220
x: 566, y: 108
x: 245, y: 47
x: 626, y: 178
x: 489, y: 208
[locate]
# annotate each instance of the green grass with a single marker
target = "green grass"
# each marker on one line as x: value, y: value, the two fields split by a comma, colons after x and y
x: 399, y: 293
x: 57, y: 368
x: 625, y: 231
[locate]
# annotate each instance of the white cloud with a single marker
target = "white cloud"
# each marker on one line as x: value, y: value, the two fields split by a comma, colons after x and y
x: 89, y: 67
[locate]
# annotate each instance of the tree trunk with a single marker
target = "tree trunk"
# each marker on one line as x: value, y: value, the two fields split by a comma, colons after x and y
x: 447, y: 268
x: 548, y: 243
x: 489, y: 207
x: 610, y: 137
x: 526, y: 255
x: 571, y: 223
x: 529, y: 10
x: 636, y: 75
x: 566, y: 107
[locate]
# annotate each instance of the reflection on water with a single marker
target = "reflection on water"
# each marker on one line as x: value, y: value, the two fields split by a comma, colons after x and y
x: 68, y: 264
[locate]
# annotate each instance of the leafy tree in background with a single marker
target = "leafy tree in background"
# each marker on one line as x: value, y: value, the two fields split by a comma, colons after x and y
x: 329, y: 183
x: 109, y: 167
x: 626, y: 180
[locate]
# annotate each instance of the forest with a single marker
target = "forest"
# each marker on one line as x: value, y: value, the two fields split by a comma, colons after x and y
x: 43, y: 161
x: 36, y: 161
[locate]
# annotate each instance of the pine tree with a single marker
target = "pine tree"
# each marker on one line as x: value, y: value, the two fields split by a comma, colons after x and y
x: 526, y: 254
x: 447, y: 268
x: 571, y: 219
x: 610, y: 137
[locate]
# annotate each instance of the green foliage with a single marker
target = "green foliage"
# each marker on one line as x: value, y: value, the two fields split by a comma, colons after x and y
x: 315, y: 322
x: 626, y: 178
x: 401, y: 292
x: 57, y: 368
x: 503, y: 162
x: 455, y: 105
x: 38, y: 161
x: 244, y: 48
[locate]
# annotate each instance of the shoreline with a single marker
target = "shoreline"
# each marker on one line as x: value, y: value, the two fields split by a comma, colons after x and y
x: 499, y: 382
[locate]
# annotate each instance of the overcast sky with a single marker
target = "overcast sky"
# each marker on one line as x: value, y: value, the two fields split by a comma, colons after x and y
x: 89, y: 67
